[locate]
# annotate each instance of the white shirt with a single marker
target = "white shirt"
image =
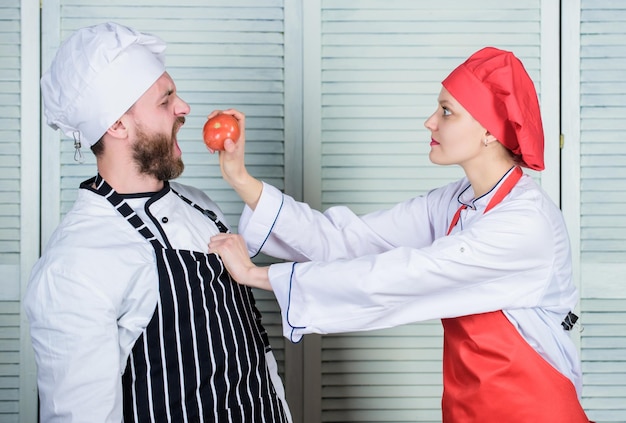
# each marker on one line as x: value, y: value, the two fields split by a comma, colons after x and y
x: 93, y: 292
x: 397, y: 266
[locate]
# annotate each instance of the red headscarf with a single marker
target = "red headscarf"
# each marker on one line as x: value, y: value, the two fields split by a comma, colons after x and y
x: 493, y: 86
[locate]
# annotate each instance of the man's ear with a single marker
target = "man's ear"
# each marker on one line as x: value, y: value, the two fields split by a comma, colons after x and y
x: 118, y: 129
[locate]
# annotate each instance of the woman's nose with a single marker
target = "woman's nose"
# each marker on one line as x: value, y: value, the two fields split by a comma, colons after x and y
x: 430, y: 123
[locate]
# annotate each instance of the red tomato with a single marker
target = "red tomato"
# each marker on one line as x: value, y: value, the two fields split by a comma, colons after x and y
x: 218, y: 129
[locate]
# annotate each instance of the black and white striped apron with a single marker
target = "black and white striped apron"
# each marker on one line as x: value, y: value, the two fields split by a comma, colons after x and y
x: 202, y: 356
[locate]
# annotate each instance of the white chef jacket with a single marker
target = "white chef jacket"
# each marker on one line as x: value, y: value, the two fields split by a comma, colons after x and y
x: 95, y: 289
x: 397, y: 266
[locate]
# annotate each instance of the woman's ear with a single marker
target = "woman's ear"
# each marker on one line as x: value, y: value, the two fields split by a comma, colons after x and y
x: 489, y: 138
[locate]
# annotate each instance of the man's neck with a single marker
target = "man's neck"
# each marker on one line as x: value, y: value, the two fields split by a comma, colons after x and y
x: 130, y: 182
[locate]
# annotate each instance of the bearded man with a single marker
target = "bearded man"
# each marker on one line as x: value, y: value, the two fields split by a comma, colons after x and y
x: 131, y: 319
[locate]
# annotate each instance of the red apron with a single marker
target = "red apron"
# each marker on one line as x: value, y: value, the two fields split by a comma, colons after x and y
x: 492, y: 375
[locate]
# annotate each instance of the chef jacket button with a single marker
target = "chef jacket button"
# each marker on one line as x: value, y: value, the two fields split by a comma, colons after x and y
x: 462, y: 249
x: 164, y: 219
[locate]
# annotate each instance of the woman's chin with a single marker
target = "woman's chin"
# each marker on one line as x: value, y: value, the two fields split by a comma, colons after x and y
x: 434, y: 159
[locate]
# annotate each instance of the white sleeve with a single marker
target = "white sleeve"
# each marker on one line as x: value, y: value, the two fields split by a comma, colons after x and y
x: 284, y: 228
x: 505, y: 260
x: 75, y: 337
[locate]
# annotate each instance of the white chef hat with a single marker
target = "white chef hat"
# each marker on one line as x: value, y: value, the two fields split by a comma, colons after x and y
x: 98, y: 73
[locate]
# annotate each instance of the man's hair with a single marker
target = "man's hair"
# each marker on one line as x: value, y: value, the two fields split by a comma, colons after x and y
x: 98, y: 148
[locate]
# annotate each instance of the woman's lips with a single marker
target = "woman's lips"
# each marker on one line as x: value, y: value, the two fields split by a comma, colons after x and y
x: 433, y: 142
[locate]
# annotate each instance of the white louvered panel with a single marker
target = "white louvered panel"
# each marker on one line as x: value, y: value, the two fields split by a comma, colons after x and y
x: 603, y: 207
x: 10, y: 136
x: 10, y: 220
x: 382, y: 63
x: 604, y: 358
x: 603, y: 129
x: 383, y: 376
x: 9, y: 360
x: 220, y: 55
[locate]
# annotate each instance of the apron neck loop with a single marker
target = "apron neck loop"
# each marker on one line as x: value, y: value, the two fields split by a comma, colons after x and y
x: 505, y: 188
x: 208, y: 213
x: 502, y: 192
x: 118, y: 202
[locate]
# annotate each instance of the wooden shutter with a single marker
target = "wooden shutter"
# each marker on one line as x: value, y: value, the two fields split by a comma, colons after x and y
x: 378, y: 69
x: 601, y: 70
x: 12, y: 230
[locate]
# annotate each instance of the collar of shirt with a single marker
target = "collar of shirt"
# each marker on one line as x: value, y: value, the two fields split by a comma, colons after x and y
x: 466, y: 196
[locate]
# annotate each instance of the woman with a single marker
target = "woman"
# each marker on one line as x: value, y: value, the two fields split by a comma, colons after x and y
x: 488, y: 254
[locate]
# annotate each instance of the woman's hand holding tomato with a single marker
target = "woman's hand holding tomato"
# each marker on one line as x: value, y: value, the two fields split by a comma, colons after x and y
x: 232, y: 163
x: 218, y: 128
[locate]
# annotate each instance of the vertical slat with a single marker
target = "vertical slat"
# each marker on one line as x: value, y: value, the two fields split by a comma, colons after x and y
x: 295, y: 383
x: 30, y: 194
x: 312, y: 183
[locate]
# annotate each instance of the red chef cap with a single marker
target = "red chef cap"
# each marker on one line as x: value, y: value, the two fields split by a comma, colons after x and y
x: 493, y: 86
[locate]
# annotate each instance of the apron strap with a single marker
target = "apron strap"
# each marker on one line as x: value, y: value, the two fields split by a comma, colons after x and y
x: 502, y: 192
x: 208, y: 213
x: 117, y: 201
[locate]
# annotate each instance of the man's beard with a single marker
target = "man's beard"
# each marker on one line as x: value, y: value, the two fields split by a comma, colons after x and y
x: 154, y: 154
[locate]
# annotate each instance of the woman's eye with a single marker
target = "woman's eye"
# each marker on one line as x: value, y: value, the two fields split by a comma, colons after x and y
x: 446, y: 112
